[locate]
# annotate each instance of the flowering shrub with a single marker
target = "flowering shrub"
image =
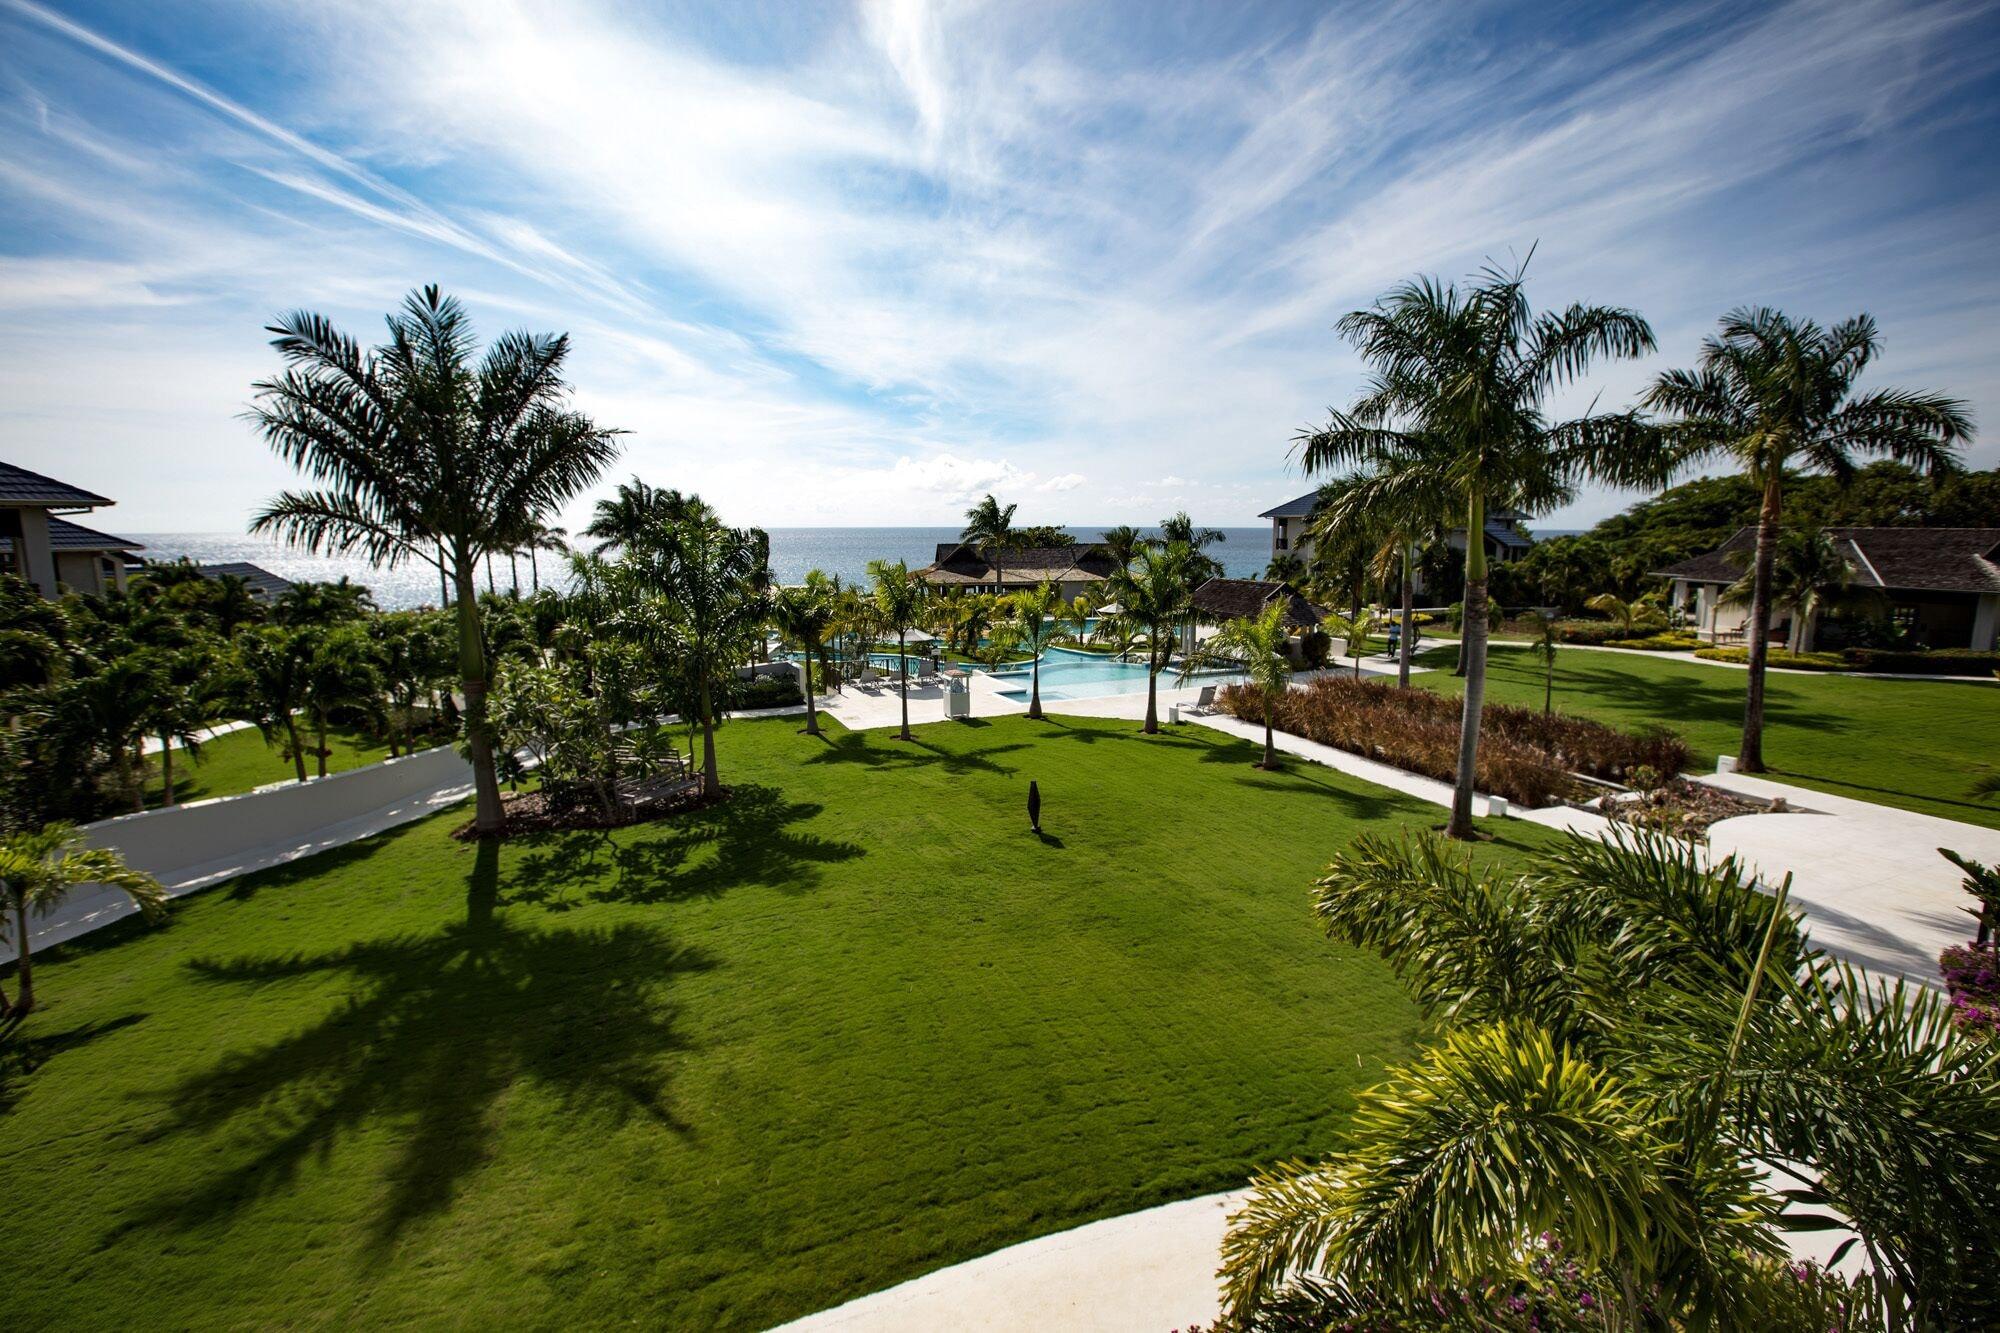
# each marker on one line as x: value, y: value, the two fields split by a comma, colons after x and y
x: 1524, y: 755
x: 1972, y: 979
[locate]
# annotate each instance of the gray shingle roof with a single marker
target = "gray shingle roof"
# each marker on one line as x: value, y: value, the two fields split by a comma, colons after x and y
x: 1891, y: 559
x: 961, y: 563
x: 1299, y: 508
x: 18, y: 486
x: 67, y: 536
x: 263, y: 583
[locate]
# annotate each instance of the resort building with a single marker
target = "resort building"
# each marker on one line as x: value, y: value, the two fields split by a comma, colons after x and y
x: 1221, y: 600
x: 1506, y: 538
x: 49, y: 552
x: 1939, y: 585
x: 965, y: 567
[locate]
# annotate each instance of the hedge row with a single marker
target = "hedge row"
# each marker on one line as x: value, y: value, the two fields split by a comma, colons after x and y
x: 1937, y: 662
x: 1524, y: 755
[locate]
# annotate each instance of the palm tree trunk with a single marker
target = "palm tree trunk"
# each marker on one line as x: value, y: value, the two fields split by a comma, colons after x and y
x: 1035, y: 686
x: 298, y: 748
x: 903, y: 657
x: 166, y: 769
x: 514, y: 574
x: 1409, y: 623
x: 444, y: 587
x: 1472, y: 639
x: 1750, y: 752
x: 1548, y: 685
x: 488, y: 817
x: 711, y: 782
x: 534, y: 571
x: 806, y: 687
x: 24, y: 993
x: 1152, y: 685
x: 319, y: 741
x: 129, y: 774
x: 1270, y: 745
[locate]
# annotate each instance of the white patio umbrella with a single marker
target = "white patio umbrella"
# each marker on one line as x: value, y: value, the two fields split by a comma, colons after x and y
x: 1111, y: 609
x: 920, y: 636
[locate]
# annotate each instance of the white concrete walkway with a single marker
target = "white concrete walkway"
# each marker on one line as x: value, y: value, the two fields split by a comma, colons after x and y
x: 1146, y: 1272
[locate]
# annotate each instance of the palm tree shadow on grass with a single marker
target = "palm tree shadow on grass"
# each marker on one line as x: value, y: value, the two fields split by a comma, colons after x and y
x: 750, y: 833
x: 436, y: 1029
x: 21, y: 1055
x: 853, y: 748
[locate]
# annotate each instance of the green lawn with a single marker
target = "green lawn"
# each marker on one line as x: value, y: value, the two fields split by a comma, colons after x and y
x: 241, y: 762
x: 721, y: 1071
x: 1915, y: 744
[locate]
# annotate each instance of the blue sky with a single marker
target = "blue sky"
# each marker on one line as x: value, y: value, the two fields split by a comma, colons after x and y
x: 837, y: 265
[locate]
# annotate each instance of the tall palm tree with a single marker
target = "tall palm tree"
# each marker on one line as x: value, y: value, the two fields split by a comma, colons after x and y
x: 1040, y: 616
x: 420, y: 454
x: 694, y: 589
x: 1178, y: 527
x: 1807, y: 572
x: 1153, y: 594
x: 1775, y: 394
x: 1122, y: 543
x: 183, y: 690
x: 1256, y: 647
x: 543, y: 537
x: 1631, y: 1038
x: 898, y: 605
x: 37, y: 871
x: 270, y: 684
x: 1455, y: 401
x: 990, y: 526
x: 342, y: 673
x: 805, y: 615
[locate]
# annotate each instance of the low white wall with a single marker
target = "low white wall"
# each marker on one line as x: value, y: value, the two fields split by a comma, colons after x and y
x: 191, y: 846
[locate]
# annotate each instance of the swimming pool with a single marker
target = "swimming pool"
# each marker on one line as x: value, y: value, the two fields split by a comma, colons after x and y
x: 1067, y: 674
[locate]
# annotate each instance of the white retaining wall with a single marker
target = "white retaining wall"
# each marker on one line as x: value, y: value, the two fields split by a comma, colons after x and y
x: 191, y: 846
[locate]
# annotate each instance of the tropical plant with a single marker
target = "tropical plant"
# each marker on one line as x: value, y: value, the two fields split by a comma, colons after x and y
x: 1630, y: 1040
x: 117, y: 705
x: 1455, y: 402
x: 1634, y: 616
x: 1353, y: 631
x: 1544, y: 637
x: 989, y: 526
x: 184, y: 690
x: 1775, y: 394
x: 37, y: 871
x: 270, y: 686
x: 805, y: 615
x: 1122, y: 543
x: 1039, y: 618
x: 1807, y: 572
x: 341, y: 675
x: 421, y: 455
x: 1255, y: 646
x: 1154, y: 595
x: 1178, y: 529
x: 898, y: 603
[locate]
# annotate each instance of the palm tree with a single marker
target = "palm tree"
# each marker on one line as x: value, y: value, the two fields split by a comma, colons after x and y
x: 1632, y: 616
x: 422, y: 455
x: 1353, y: 631
x: 183, y: 688
x: 543, y: 537
x: 1122, y: 543
x: 990, y: 527
x: 341, y: 673
x: 1543, y: 640
x: 695, y: 592
x: 270, y: 681
x: 1256, y: 647
x: 37, y: 872
x: 899, y: 602
x: 805, y: 616
x: 115, y: 705
x: 1040, y: 617
x: 1807, y: 572
x: 1153, y: 594
x: 1455, y: 403
x: 637, y: 509
x: 1774, y: 394
x: 1631, y: 1039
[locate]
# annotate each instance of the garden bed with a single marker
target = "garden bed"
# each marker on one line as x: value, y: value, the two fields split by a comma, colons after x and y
x: 1529, y: 757
x: 1681, y: 808
x: 532, y: 812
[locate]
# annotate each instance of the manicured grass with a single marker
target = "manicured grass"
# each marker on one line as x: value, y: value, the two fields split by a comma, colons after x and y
x: 856, y: 1024
x: 1914, y: 744
x: 241, y: 762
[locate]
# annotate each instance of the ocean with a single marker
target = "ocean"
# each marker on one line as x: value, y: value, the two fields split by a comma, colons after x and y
x: 842, y: 551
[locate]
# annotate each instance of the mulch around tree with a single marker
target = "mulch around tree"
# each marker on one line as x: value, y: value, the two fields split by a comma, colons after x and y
x: 529, y: 812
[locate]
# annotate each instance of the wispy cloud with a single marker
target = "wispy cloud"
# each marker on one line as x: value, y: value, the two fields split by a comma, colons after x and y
x: 867, y: 266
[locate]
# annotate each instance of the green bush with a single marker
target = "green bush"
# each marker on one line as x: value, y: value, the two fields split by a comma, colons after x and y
x: 1664, y: 641
x: 1779, y: 657
x: 764, y: 692
x: 1935, y: 662
x: 1591, y: 632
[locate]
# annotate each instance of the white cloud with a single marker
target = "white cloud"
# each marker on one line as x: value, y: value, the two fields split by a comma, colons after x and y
x: 1068, y: 481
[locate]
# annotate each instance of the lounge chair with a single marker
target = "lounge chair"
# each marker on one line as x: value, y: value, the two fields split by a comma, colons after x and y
x: 1204, y: 702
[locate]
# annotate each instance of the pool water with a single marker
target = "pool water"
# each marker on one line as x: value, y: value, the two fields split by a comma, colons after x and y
x: 1067, y: 674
